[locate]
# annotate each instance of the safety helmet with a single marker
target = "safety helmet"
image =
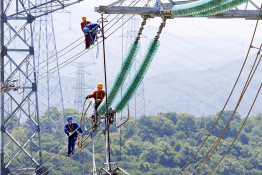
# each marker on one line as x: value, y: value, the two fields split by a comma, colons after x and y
x: 100, y: 85
x: 83, y: 18
x: 86, y: 30
x: 69, y: 118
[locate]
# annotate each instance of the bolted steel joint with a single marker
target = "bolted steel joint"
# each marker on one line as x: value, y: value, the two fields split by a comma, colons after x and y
x: 2, y: 129
x: 4, y: 18
x: 30, y: 18
x: 31, y: 50
x: 4, y: 51
x: 38, y: 128
x: 34, y: 87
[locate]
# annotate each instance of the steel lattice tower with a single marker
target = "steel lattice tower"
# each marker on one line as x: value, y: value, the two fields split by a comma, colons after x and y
x: 19, y: 86
x: 81, y: 86
x: 137, y: 103
x: 50, y: 90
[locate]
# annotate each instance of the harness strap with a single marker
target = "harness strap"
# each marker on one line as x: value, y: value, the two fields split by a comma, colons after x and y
x: 71, y: 129
x: 97, y: 95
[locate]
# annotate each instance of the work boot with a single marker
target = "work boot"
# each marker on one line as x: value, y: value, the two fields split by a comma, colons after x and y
x: 93, y: 118
x: 67, y: 155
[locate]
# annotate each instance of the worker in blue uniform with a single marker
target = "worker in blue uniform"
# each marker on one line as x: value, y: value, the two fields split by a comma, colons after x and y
x: 70, y: 127
x: 92, y: 29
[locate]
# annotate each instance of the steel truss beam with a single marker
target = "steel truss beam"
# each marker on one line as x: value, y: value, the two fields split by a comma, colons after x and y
x: 165, y: 10
x: 17, y: 36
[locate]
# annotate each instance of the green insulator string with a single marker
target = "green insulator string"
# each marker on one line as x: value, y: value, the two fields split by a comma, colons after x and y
x: 121, y: 77
x: 203, y: 6
x: 138, y: 77
x: 225, y: 7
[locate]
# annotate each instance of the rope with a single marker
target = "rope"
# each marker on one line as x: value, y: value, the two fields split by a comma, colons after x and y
x: 64, y: 49
x: 107, y: 116
x: 66, y: 146
x: 238, y: 132
x: 53, y: 56
x: 51, y: 150
x: 78, y: 55
x: 227, y: 98
x: 251, y: 74
x: 74, y: 154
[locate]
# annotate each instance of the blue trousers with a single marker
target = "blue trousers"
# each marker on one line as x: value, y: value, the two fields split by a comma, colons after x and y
x: 71, y: 144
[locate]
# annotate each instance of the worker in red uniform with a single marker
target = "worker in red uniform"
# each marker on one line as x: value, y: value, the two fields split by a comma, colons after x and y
x: 98, y: 95
x: 87, y: 37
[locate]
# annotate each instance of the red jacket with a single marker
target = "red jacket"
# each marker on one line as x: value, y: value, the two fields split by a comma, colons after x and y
x: 98, y: 95
x: 83, y: 24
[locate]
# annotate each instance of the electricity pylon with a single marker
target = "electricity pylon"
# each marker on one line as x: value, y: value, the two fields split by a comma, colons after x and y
x: 81, y: 86
x: 19, y: 90
x: 50, y: 90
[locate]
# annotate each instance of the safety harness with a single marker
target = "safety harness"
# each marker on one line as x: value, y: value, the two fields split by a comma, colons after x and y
x: 71, y: 129
x: 97, y: 98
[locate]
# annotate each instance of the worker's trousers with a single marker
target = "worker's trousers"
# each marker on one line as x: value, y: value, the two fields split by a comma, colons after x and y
x: 71, y: 144
x: 88, y: 40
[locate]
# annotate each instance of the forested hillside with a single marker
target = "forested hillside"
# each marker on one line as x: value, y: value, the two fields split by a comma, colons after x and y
x: 160, y: 145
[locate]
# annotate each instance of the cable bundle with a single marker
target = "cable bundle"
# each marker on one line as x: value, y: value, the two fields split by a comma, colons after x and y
x: 138, y: 77
x: 120, y: 78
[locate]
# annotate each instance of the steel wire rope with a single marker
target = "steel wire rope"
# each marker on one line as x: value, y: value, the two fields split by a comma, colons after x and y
x: 52, y: 56
x: 239, y: 101
x: 70, y: 45
x: 227, y: 99
x: 66, y: 147
x: 209, y: 50
x: 62, y: 159
x: 238, y: 131
x: 53, y: 157
x: 120, y: 140
x: 78, y: 55
x: 51, y: 150
x: 121, y: 16
x: 77, y: 46
x: 183, y: 91
x: 73, y: 154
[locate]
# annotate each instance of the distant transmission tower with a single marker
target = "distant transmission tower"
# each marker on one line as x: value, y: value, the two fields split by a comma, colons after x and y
x: 137, y: 104
x: 50, y: 89
x: 81, y: 85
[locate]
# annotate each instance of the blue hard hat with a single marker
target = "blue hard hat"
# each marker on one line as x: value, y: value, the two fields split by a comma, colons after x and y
x: 86, y: 30
x: 69, y: 118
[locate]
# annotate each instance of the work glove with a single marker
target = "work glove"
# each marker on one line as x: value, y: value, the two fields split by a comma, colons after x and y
x: 98, y: 100
x: 87, y: 97
x: 70, y: 133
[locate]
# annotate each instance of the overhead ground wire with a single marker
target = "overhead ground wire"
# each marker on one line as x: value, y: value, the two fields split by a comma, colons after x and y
x: 238, y: 131
x: 78, y: 55
x: 72, y: 44
x: 227, y: 99
x: 239, y: 101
